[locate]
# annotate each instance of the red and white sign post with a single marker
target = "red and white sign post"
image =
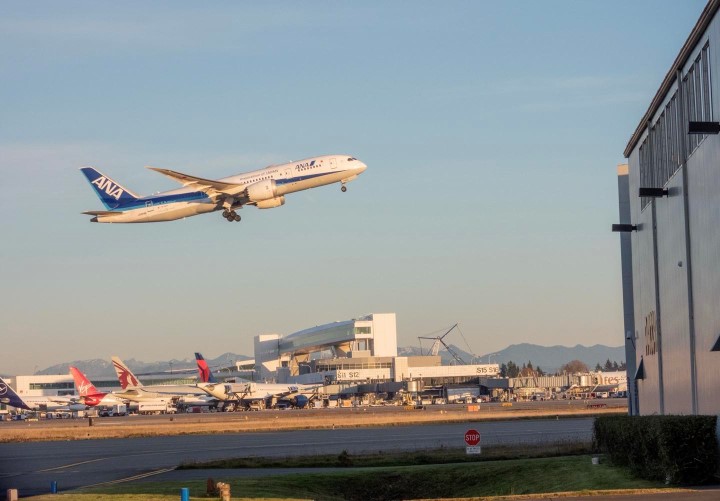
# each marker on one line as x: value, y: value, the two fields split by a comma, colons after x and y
x: 472, y: 442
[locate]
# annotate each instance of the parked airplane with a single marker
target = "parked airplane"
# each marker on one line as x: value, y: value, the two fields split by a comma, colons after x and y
x: 90, y: 395
x: 265, y: 188
x: 134, y: 390
x: 238, y: 392
x: 38, y: 403
x: 246, y: 393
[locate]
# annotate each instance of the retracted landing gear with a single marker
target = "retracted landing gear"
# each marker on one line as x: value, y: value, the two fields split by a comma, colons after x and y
x: 231, y: 215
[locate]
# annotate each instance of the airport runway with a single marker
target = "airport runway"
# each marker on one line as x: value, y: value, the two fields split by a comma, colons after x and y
x: 31, y: 466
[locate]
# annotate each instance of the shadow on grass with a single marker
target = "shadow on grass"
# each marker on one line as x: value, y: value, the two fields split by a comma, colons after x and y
x: 410, y: 458
x: 486, y: 478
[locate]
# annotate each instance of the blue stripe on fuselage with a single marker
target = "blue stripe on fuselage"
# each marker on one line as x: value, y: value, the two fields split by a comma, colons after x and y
x: 194, y: 196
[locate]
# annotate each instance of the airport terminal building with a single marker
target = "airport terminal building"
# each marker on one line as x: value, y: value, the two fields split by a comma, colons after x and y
x: 347, y: 357
x: 357, y: 359
x: 670, y: 222
x: 353, y: 352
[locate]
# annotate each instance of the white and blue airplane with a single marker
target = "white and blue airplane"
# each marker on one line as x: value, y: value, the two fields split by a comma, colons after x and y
x: 265, y: 188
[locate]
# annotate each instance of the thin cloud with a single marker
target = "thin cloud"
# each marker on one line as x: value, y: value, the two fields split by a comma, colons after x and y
x: 176, y: 31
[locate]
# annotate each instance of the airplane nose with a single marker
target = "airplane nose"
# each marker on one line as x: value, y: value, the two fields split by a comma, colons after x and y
x: 362, y: 167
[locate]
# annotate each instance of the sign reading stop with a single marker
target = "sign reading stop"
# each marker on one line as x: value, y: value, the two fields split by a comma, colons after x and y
x: 472, y: 437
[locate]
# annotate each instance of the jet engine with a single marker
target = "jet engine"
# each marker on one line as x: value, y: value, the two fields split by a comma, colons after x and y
x: 299, y: 401
x: 273, y: 202
x: 219, y: 391
x: 262, y: 190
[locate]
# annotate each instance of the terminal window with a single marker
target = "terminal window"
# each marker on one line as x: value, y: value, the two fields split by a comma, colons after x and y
x: 52, y: 386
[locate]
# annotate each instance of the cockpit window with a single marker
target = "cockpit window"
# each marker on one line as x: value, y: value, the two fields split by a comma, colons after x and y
x: 351, y: 159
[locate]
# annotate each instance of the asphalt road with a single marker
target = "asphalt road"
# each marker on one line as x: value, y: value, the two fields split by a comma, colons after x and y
x: 31, y: 466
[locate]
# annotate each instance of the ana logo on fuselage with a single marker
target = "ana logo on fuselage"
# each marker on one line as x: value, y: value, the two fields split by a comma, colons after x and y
x: 305, y: 165
x: 108, y: 187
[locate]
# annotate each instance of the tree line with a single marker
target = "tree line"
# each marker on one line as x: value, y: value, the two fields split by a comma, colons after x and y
x: 511, y: 369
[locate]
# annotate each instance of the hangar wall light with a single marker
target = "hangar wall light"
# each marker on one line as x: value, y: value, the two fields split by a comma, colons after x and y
x: 653, y: 192
x: 640, y: 372
x: 716, y: 347
x: 704, y: 128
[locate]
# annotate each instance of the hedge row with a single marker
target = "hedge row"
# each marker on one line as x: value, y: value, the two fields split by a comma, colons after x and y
x: 674, y: 449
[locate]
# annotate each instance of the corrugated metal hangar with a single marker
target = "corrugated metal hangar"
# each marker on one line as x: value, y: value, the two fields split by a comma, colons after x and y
x: 670, y: 219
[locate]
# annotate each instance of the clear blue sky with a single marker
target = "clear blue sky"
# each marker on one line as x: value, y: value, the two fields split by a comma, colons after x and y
x: 491, y: 131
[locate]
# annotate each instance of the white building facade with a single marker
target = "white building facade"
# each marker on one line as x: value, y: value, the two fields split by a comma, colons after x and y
x: 362, y: 350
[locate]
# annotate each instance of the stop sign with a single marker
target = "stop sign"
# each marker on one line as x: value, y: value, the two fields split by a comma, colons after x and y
x: 472, y: 437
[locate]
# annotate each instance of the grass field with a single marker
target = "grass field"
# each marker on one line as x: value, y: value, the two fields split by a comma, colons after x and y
x: 463, y: 480
x: 400, y: 458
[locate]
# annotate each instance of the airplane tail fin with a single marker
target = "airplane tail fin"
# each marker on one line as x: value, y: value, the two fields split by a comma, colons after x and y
x: 124, y: 374
x: 112, y: 195
x: 84, y: 387
x: 9, y: 397
x: 206, y: 375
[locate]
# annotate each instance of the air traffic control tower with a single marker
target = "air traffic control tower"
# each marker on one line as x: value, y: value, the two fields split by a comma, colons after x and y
x: 278, y: 358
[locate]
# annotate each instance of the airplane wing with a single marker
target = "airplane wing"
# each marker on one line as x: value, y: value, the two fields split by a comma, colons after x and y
x: 284, y: 393
x: 68, y: 400
x: 209, y: 186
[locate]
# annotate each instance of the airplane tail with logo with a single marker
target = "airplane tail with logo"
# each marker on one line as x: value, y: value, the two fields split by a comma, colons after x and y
x: 9, y: 397
x: 206, y: 375
x: 84, y: 387
x: 112, y: 195
x: 125, y: 376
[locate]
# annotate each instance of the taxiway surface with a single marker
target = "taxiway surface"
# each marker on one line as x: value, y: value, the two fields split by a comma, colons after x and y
x: 31, y: 466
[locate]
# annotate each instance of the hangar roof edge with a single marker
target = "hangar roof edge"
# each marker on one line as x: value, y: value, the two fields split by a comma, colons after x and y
x: 703, y: 22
